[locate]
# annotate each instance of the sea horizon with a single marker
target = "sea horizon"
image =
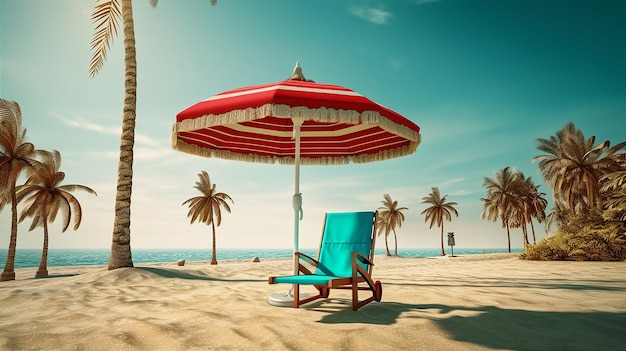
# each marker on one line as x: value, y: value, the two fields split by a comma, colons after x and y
x: 87, y: 257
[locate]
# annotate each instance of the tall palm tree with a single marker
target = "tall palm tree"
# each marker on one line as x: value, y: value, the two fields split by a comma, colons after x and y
x: 439, y: 211
x: 503, y: 200
x: 106, y: 17
x: 390, y: 217
x: 207, y: 207
x: 45, y: 197
x: 15, y: 155
x: 573, y: 166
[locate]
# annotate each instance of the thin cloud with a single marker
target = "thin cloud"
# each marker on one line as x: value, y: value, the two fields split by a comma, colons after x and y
x: 117, y: 130
x: 376, y: 16
x: 86, y: 125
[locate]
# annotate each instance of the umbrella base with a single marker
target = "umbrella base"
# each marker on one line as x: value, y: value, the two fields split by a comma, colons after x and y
x: 283, y: 299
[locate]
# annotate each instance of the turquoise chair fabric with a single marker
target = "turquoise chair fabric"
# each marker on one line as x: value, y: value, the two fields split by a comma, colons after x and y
x: 344, y: 233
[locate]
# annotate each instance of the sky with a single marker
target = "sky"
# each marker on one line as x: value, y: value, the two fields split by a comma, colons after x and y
x: 483, y: 80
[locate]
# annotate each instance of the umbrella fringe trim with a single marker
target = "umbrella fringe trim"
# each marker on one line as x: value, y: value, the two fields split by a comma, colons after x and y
x: 321, y: 114
x: 180, y: 145
x: 373, y: 117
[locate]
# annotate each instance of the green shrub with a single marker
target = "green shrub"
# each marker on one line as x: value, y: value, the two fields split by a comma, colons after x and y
x: 582, y: 240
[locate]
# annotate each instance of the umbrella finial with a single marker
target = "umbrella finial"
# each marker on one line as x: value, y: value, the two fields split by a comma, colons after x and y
x: 297, y: 72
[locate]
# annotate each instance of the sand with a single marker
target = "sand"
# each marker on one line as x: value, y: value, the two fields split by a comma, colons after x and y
x: 475, y: 302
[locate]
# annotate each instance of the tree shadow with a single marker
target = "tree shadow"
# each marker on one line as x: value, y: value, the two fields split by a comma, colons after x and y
x: 500, y: 328
x: 524, y: 283
x: 173, y: 273
x: 50, y: 276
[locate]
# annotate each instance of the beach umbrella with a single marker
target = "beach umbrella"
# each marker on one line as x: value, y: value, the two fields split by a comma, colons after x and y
x: 295, y: 121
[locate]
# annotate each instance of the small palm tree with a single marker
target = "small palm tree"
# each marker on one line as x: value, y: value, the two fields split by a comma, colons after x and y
x: 439, y: 211
x: 207, y: 207
x: 524, y: 211
x: 614, y: 186
x: 535, y: 204
x: 503, y: 200
x: 558, y: 214
x: 390, y: 217
x: 15, y: 155
x: 106, y: 16
x: 44, y: 197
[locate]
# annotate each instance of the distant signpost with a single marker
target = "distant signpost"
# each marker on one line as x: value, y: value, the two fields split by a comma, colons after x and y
x: 451, y: 242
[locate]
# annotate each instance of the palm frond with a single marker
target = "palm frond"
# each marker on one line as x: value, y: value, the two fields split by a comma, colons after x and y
x: 106, y: 16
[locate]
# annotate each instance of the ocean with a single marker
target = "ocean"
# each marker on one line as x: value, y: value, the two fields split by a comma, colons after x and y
x: 86, y: 257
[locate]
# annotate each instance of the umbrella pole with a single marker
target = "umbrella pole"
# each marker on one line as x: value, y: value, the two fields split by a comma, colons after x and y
x: 286, y: 299
x: 297, y: 196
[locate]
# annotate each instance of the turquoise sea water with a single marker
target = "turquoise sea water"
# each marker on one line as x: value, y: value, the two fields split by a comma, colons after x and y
x: 85, y: 257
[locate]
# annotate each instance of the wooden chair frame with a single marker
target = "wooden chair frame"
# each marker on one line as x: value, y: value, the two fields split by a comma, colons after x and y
x: 355, y: 282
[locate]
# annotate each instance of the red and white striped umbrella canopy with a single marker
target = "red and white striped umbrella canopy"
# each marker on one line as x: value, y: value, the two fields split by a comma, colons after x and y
x: 256, y: 124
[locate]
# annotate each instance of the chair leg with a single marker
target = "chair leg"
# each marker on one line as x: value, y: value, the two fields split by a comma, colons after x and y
x: 296, y: 296
x: 355, y: 296
x: 378, y: 291
x: 323, y: 292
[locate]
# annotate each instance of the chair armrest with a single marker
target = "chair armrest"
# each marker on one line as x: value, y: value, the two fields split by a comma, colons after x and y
x: 359, y: 256
x: 306, y: 258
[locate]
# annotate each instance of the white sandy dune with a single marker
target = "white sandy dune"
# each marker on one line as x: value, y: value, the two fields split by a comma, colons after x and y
x: 476, y: 302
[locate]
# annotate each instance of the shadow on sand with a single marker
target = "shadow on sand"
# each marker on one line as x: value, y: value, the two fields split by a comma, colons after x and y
x: 173, y: 273
x: 58, y: 276
x: 500, y: 328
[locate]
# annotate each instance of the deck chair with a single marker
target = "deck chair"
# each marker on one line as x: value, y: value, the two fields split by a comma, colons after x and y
x: 344, y: 260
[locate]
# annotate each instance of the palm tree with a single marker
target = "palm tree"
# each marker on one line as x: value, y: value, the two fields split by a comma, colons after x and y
x: 527, y: 207
x: 439, y: 211
x: 381, y: 227
x: 558, y: 215
x: 15, y: 155
x: 535, y: 204
x: 44, y: 197
x: 390, y: 216
x: 573, y: 166
x: 106, y: 16
x: 614, y: 186
x: 503, y: 201
x: 207, y: 207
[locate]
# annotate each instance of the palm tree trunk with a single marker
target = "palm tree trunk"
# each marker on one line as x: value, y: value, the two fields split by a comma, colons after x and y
x: 213, y: 255
x: 508, y: 234
x: 525, y: 233
x: 533, y: 229
x: 443, y: 252
x: 9, y: 266
x: 42, y: 271
x: 387, y: 245
x: 395, y: 238
x: 121, y: 255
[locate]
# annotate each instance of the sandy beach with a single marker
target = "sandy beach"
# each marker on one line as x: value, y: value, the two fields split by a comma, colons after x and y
x: 474, y: 302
